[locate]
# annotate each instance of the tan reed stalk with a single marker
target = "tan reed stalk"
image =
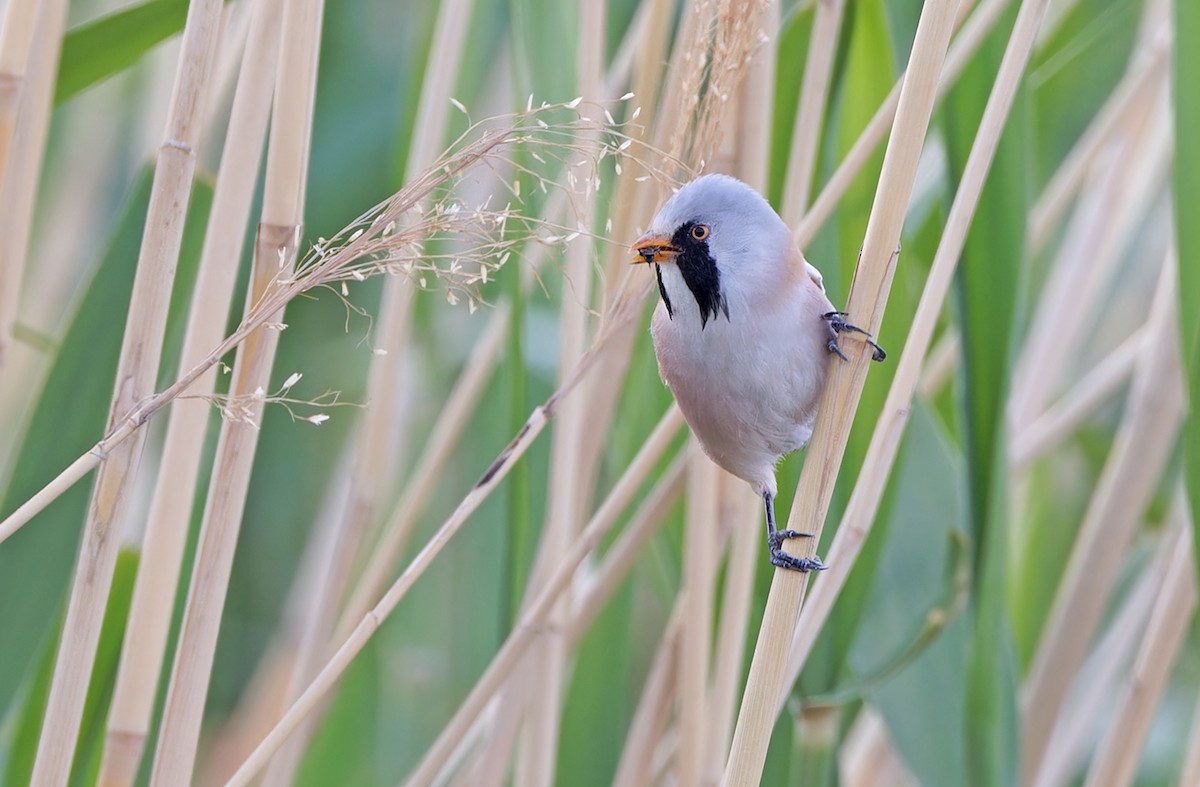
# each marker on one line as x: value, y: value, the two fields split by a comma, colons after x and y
x: 1074, y: 731
x: 842, y: 391
x: 700, y: 555
x: 1120, y: 750
x: 587, y: 541
x: 974, y: 30
x: 940, y: 363
x: 538, y: 748
x: 16, y: 40
x: 653, y: 709
x: 451, y: 421
x: 814, y: 92
x: 1129, y: 177
x: 279, y: 233
x: 1133, y: 94
x: 740, y: 507
x: 868, y: 758
x: 1190, y: 772
x: 171, y: 507
x: 136, y: 371
x: 19, y: 181
x: 378, y: 429
x: 885, y: 440
x: 511, y: 660
x: 1062, y: 418
x: 1135, y: 465
x: 371, y: 238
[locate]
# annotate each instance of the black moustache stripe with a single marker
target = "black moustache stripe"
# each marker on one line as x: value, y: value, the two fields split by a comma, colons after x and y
x: 662, y: 290
x: 700, y: 274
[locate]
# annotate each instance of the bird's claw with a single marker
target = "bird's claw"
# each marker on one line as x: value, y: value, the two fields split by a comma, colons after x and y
x: 782, y: 559
x: 802, y: 564
x: 839, y: 325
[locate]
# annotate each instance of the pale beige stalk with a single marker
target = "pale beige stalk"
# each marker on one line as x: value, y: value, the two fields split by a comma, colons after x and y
x: 1128, y: 177
x: 1062, y: 418
x: 700, y: 554
x: 279, y: 232
x: 868, y: 758
x: 378, y: 429
x: 653, y: 709
x: 585, y: 544
x: 868, y: 295
x: 941, y: 361
x: 538, y: 747
x: 1093, y: 690
x: 16, y: 41
x: 171, y: 507
x: 885, y: 440
x: 19, y: 187
x: 741, y: 513
x: 974, y: 31
x: 136, y: 370
x: 1120, y: 751
x: 1139, y: 455
x: 1190, y: 772
x: 810, y: 112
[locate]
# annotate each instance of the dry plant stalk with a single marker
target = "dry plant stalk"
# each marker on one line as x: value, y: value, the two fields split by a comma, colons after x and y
x: 136, y: 371
x: 378, y: 428
x: 1135, y: 465
x: 274, y: 255
x: 1093, y: 690
x: 16, y: 41
x: 19, y: 183
x: 885, y: 440
x: 1121, y: 748
x: 843, y: 389
x: 538, y: 752
x: 171, y: 507
x: 810, y: 113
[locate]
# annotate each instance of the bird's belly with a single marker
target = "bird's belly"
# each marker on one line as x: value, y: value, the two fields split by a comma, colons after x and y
x: 748, y: 401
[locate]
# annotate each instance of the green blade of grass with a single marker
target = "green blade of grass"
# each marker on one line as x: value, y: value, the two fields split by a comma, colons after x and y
x: 1187, y: 234
x: 988, y: 286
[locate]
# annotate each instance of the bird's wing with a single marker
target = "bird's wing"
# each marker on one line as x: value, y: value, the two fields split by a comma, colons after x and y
x: 815, y: 275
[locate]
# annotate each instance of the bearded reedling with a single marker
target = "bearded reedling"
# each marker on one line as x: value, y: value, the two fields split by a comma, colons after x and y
x: 742, y: 333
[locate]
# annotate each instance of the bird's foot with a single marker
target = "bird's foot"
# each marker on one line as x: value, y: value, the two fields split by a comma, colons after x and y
x: 838, y: 323
x: 782, y: 559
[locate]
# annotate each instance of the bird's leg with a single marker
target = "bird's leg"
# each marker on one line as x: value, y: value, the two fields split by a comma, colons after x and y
x: 838, y: 323
x: 775, y: 539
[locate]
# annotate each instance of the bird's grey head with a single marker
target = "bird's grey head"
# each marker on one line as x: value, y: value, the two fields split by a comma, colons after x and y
x: 718, y: 242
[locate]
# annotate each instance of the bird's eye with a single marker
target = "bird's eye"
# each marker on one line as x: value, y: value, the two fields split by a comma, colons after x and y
x: 700, y: 231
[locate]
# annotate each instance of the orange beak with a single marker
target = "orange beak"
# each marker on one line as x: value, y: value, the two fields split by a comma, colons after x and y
x: 652, y: 248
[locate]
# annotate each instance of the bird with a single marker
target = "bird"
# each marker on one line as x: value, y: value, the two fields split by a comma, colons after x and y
x: 742, y: 332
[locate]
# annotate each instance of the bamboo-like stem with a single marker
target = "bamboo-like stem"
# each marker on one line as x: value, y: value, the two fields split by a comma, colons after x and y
x: 885, y: 440
x: 378, y: 429
x: 1190, y: 772
x: 538, y: 749
x: 814, y: 92
x: 1132, y: 472
x: 19, y: 186
x: 699, y: 579
x: 941, y: 361
x: 1074, y: 730
x: 974, y: 31
x: 653, y: 709
x: 275, y: 256
x: 1121, y: 748
x: 586, y: 542
x: 740, y: 507
x: 1064, y: 416
x: 868, y: 295
x: 16, y: 40
x: 1128, y: 178
x: 1132, y: 94
x: 171, y: 507
x: 451, y: 421
x: 137, y: 368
